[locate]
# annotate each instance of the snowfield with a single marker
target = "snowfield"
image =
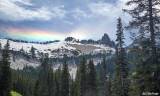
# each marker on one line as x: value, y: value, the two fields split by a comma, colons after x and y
x: 59, y: 49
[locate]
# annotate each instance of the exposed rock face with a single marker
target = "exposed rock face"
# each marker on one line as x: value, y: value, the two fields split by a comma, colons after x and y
x: 106, y: 40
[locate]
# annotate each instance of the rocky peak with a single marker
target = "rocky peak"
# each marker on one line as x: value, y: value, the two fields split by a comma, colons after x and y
x: 105, y: 37
x: 106, y: 40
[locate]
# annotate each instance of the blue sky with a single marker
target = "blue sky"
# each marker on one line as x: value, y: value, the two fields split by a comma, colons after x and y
x: 83, y: 19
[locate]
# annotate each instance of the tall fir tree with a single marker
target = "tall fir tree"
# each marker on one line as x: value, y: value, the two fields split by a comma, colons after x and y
x: 109, y: 85
x: 121, y: 84
x: 142, y: 78
x: 77, y: 82
x: 103, y: 79
x: 50, y: 81
x: 33, y: 52
x: 73, y: 88
x: 92, y: 83
x: 44, y: 84
x: 82, y: 77
x: 65, y: 80
x: 57, y: 80
x: 5, y: 79
x: 145, y: 14
x: 0, y: 46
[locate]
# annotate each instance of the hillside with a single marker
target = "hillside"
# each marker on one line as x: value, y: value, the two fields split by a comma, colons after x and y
x: 70, y: 47
x: 74, y: 50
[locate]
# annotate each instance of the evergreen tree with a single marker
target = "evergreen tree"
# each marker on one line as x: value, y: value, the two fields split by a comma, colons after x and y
x: 92, y: 84
x: 73, y: 88
x: 0, y: 46
x: 44, y: 83
x: 103, y: 79
x: 33, y: 52
x: 77, y: 82
x: 82, y: 77
x: 146, y: 18
x: 145, y: 15
x: 50, y: 81
x: 65, y: 80
x: 21, y: 83
x: 57, y: 80
x: 109, y: 85
x: 120, y: 87
x: 142, y: 78
x: 5, y: 79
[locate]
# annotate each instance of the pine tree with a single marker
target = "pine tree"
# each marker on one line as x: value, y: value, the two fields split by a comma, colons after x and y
x: 65, y: 80
x: 145, y: 15
x: 57, y: 80
x: 82, y: 77
x: 73, y: 88
x: 120, y: 87
x: 142, y: 78
x: 44, y: 84
x: 92, y: 84
x: 22, y: 50
x: 21, y: 83
x: 0, y: 46
x: 33, y: 52
x: 146, y: 18
x: 5, y: 79
x: 50, y: 81
x: 103, y: 79
x: 109, y: 85
x: 77, y: 82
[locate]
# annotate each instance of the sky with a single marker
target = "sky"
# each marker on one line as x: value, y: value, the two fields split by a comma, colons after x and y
x: 45, y: 20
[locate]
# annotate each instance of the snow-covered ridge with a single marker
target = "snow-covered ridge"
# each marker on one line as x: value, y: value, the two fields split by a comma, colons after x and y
x: 59, y: 49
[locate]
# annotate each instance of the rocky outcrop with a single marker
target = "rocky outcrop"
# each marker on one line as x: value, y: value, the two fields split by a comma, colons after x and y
x: 107, y: 41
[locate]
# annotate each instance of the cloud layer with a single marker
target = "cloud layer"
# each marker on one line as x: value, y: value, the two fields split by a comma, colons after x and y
x: 14, y: 10
x: 78, y: 18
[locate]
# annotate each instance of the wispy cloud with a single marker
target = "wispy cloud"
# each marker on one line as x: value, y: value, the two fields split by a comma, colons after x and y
x: 10, y: 11
x: 79, y: 13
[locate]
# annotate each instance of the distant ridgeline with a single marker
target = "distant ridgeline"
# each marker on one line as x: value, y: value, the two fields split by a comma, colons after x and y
x: 105, y: 40
x: 24, y: 41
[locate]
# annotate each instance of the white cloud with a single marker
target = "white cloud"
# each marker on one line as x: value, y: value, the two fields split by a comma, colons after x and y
x: 10, y: 11
x: 109, y: 10
x: 100, y: 18
x: 58, y: 12
x: 78, y: 14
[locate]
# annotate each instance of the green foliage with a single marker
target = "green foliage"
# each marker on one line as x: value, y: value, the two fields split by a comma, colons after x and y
x: 145, y: 18
x: 74, y: 91
x: 15, y: 94
x: 33, y: 52
x: 45, y: 81
x: 57, y: 80
x: 5, y: 74
x: 65, y: 80
x: 91, y: 82
x: 120, y: 80
x: 143, y: 77
x: 105, y: 85
x: 0, y: 46
x: 22, y: 83
x: 82, y: 77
